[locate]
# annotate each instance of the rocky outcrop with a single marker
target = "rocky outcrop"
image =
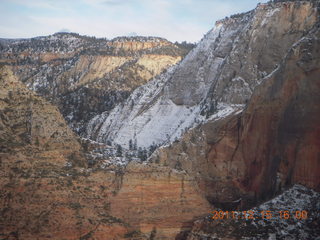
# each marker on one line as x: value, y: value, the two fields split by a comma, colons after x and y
x: 47, y: 192
x: 273, y: 143
x: 218, y: 75
x: 300, y: 222
x: 86, y: 76
x: 158, y: 199
x: 235, y: 155
x: 28, y: 123
x: 284, y: 111
x: 73, y: 204
x: 137, y: 43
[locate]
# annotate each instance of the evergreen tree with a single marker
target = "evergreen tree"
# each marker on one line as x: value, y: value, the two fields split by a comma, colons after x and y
x: 152, y: 148
x: 142, y: 154
x: 119, y: 151
x: 135, y: 144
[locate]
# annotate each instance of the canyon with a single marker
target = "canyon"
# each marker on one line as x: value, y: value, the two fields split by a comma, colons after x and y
x: 232, y: 125
x: 85, y: 76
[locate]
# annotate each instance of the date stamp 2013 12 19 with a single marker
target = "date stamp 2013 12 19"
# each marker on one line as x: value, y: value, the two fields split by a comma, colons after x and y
x: 251, y: 214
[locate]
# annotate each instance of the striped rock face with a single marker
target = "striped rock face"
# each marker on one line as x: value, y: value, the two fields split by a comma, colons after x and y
x: 85, y: 76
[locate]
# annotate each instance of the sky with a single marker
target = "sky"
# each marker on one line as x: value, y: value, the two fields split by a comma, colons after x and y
x: 175, y: 20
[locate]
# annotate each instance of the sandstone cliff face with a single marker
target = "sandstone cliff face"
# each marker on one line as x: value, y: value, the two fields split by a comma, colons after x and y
x: 85, y: 76
x: 71, y: 204
x: 47, y: 192
x: 29, y: 123
x: 272, y: 143
x: 137, y: 43
x: 158, y: 199
x: 232, y: 159
x: 285, y: 114
x: 194, y: 153
x: 218, y: 75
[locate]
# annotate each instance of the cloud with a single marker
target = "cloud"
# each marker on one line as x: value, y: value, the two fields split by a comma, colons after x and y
x: 47, y: 4
x: 115, y: 2
x: 175, y: 20
x: 64, y: 30
x: 101, y: 3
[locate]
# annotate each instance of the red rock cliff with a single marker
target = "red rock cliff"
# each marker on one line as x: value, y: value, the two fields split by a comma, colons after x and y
x: 273, y: 143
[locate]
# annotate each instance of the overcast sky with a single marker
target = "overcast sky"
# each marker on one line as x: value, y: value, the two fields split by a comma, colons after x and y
x: 176, y: 20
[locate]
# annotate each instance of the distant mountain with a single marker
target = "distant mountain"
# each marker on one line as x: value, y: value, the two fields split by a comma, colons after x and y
x: 215, y: 79
x: 86, y: 76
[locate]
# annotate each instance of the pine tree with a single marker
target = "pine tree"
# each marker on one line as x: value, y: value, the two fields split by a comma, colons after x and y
x: 135, y: 144
x: 119, y: 151
x: 142, y: 154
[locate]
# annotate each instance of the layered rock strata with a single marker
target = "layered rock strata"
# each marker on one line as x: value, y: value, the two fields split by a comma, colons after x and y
x: 216, y: 78
x: 247, y: 157
x: 86, y: 76
x: 47, y: 191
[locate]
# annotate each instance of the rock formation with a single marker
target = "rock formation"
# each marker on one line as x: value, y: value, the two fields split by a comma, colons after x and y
x: 29, y: 125
x: 47, y: 192
x: 272, y: 143
x: 295, y: 202
x: 237, y: 120
x: 86, y: 76
x: 217, y: 77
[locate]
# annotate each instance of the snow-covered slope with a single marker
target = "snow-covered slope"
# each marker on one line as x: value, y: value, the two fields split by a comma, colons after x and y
x: 85, y: 76
x: 149, y: 117
x: 221, y: 72
x: 151, y: 114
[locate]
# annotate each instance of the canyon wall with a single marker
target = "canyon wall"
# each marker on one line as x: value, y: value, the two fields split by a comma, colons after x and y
x: 85, y: 76
x: 48, y: 192
x: 216, y: 78
x: 237, y: 120
x: 248, y: 157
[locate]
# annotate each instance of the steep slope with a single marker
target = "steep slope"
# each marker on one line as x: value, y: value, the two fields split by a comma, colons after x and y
x: 29, y: 125
x: 235, y: 156
x: 244, y: 158
x: 47, y: 192
x: 215, y: 79
x: 86, y: 76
